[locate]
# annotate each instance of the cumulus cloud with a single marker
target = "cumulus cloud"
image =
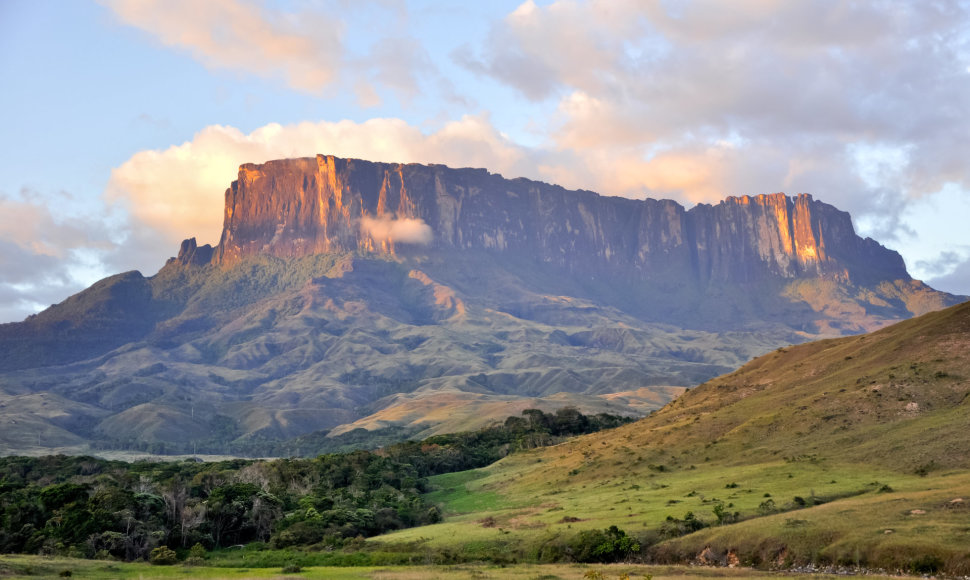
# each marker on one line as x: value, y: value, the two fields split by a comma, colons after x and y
x: 652, y: 76
x: 397, y: 230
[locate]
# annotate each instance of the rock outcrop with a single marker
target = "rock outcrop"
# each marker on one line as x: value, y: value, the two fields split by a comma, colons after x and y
x: 295, y: 207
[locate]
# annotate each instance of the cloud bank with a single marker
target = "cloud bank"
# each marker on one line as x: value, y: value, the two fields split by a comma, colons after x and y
x: 44, y: 257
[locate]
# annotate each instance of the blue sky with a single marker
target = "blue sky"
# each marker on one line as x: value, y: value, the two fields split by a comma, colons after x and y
x: 124, y: 120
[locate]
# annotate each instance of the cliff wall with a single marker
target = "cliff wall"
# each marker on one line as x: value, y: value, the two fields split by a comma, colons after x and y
x: 296, y: 207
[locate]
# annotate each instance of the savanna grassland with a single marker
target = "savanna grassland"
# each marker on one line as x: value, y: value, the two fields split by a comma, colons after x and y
x: 16, y: 567
x: 844, y: 452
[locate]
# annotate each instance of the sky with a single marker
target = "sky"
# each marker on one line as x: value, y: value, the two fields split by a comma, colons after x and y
x: 124, y: 121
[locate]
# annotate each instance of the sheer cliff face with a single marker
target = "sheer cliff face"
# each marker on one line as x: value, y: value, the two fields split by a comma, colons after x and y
x: 296, y: 207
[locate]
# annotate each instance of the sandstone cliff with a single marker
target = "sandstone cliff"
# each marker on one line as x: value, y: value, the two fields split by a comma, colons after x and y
x: 296, y: 207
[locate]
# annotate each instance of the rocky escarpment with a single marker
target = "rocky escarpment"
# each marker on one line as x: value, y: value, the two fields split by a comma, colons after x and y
x: 296, y: 207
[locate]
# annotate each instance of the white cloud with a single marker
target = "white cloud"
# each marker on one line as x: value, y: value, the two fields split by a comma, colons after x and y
x: 237, y: 34
x: 306, y: 48
x: 637, y: 77
x: 397, y: 230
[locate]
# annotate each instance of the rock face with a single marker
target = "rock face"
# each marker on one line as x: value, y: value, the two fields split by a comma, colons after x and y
x: 297, y: 207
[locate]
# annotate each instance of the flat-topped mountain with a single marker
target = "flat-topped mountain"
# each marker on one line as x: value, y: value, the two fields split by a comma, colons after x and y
x: 296, y: 207
x: 349, y: 293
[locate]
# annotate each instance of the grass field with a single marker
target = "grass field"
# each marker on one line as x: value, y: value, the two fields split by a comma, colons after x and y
x: 15, y: 567
x: 861, y: 516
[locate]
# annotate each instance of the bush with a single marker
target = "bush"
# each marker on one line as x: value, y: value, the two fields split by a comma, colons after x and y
x: 196, y: 556
x: 197, y: 551
x: 926, y: 564
x: 767, y: 507
x: 163, y: 556
x: 674, y: 528
x: 292, y: 569
x: 610, y: 545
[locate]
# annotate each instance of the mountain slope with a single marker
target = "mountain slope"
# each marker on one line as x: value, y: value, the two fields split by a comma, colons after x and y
x: 274, y: 349
x: 847, y: 451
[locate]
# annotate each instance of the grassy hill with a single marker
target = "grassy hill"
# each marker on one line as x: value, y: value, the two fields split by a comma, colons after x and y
x: 844, y: 452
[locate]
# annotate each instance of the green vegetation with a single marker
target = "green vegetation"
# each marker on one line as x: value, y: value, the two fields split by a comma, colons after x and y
x: 811, y: 456
x: 96, y: 508
x: 29, y: 567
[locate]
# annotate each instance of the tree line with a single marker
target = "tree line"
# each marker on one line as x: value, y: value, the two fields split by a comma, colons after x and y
x: 90, y: 507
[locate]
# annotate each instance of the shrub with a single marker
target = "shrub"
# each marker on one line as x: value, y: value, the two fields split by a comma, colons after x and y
x: 673, y: 527
x: 292, y: 569
x: 197, y: 551
x: 926, y: 564
x: 767, y: 507
x: 196, y: 556
x: 610, y: 545
x: 724, y: 516
x: 163, y: 556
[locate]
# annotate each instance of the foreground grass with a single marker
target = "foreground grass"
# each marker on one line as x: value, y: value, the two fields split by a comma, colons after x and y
x: 520, y: 499
x: 18, y: 566
x: 795, y: 512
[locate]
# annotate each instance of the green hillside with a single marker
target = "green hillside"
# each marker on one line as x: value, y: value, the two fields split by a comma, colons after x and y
x: 844, y: 452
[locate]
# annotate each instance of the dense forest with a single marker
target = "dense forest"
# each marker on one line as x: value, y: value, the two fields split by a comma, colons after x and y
x: 90, y: 507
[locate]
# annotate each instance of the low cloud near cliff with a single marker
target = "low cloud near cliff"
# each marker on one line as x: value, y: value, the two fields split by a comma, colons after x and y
x: 397, y: 230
